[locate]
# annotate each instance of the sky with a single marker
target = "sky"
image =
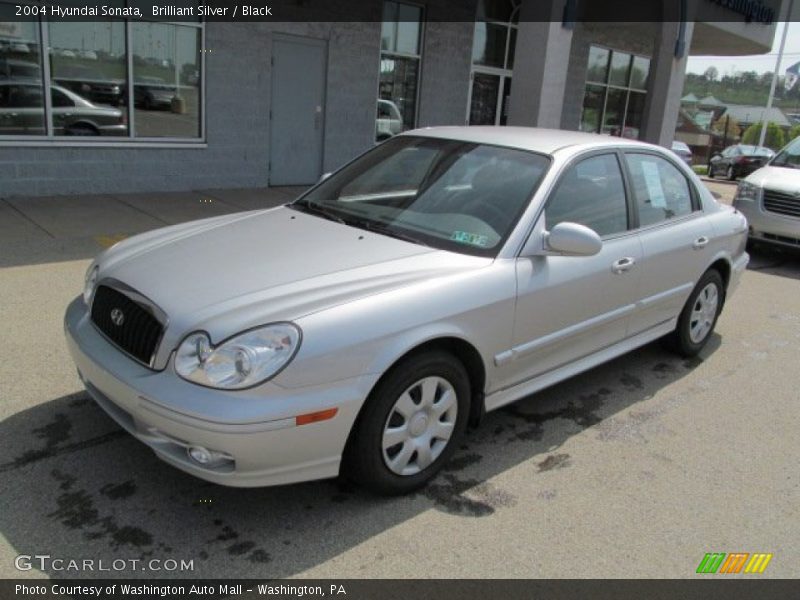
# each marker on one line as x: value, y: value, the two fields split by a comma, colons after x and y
x: 759, y: 63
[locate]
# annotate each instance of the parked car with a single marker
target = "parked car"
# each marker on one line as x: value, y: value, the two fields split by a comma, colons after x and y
x: 389, y: 121
x: 151, y: 93
x: 770, y: 199
x: 446, y: 272
x: 22, y: 112
x: 683, y: 151
x: 738, y: 160
x: 91, y: 84
x: 19, y: 69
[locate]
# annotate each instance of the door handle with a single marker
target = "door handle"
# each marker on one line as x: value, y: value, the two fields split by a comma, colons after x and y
x: 623, y: 264
x: 700, y: 243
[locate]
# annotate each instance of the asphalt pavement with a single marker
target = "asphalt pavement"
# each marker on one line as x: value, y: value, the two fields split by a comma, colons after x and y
x: 637, y: 468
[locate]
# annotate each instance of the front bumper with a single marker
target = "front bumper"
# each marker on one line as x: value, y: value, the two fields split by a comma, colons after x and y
x: 772, y: 228
x: 255, y: 429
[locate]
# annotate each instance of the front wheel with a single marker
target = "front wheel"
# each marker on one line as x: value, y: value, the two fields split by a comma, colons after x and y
x: 731, y: 173
x: 410, y: 425
x: 699, y: 315
x: 711, y: 171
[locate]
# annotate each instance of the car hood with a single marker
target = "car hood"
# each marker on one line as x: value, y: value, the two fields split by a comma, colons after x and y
x: 229, y: 273
x: 780, y: 179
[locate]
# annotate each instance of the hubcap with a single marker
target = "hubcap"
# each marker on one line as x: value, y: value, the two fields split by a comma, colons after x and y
x: 419, y: 426
x: 704, y: 312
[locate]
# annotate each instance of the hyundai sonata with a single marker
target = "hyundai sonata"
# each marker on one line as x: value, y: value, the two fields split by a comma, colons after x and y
x: 359, y: 329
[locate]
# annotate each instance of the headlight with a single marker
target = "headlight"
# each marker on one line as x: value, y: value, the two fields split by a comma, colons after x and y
x: 747, y: 192
x: 242, y: 361
x: 89, y: 284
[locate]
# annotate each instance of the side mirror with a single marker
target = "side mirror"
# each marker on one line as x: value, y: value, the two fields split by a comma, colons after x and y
x: 324, y: 176
x: 572, y: 239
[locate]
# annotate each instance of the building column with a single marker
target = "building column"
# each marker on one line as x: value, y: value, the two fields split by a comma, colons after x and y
x: 665, y: 84
x: 541, y: 62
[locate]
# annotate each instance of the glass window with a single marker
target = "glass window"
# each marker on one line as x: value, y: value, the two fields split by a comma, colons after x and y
x: 590, y: 193
x: 613, y: 101
x: 489, y: 45
x: 496, y: 10
x: 399, y: 69
x: 620, y: 69
x: 598, y: 64
x: 89, y: 78
x: 447, y: 194
x: 789, y: 156
x: 661, y: 190
x: 639, y: 72
x: 88, y: 60
x: 592, y: 108
x: 166, y: 87
x: 21, y: 98
x: 483, y: 106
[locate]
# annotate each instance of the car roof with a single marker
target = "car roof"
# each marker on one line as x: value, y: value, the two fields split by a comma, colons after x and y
x: 533, y: 139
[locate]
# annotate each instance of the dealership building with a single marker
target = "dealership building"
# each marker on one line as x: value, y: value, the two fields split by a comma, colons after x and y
x: 139, y: 105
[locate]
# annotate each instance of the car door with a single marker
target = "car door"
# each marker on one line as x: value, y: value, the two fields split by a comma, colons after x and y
x: 675, y: 236
x: 570, y: 307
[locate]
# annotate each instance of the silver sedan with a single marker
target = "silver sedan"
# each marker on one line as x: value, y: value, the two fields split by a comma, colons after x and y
x: 361, y: 328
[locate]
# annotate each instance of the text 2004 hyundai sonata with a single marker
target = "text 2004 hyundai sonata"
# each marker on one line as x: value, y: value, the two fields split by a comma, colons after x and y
x: 360, y: 328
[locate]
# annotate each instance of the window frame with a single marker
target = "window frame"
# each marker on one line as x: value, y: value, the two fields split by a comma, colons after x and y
x: 396, y: 54
x: 697, y: 205
x: 50, y: 139
x: 607, y: 86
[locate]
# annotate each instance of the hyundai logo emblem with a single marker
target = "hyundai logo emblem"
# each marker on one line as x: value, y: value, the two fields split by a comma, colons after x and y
x: 117, y: 317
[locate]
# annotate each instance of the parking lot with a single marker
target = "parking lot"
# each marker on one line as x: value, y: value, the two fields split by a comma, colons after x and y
x: 634, y: 469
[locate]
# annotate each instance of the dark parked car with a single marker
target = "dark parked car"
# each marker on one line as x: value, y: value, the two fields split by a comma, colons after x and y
x: 151, y: 93
x: 738, y: 160
x: 16, y: 69
x: 90, y: 84
x: 22, y: 112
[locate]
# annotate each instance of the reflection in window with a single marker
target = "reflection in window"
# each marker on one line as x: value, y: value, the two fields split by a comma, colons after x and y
x: 88, y: 72
x: 399, y: 69
x: 89, y: 88
x: 21, y: 98
x: 166, y: 80
x: 613, y: 101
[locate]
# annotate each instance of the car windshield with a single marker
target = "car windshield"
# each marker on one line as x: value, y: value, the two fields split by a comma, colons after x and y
x: 788, y: 157
x: 448, y: 194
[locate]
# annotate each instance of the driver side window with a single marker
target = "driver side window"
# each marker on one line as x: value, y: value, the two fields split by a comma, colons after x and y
x: 590, y: 193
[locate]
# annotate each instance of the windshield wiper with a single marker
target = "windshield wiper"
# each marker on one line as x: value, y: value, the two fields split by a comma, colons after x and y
x: 384, y: 229
x: 317, y: 209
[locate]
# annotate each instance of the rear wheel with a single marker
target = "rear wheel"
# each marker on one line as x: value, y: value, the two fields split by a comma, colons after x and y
x: 699, y: 315
x: 410, y: 425
x: 81, y: 129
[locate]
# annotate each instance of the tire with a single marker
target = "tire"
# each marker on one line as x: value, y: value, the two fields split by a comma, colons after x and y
x: 699, y: 315
x: 731, y: 174
x: 711, y: 171
x: 400, y: 409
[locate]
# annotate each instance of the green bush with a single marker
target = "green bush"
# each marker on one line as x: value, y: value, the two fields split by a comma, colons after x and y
x: 793, y: 133
x: 700, y: 169
x: 774, y: 139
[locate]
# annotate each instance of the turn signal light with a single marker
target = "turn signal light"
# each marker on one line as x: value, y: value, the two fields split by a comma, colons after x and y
x: 315, y: 417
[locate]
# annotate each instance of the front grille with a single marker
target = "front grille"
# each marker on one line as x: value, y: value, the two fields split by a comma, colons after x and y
x: 782, y: 204
x: 781, y: 238
x: 137, y: 333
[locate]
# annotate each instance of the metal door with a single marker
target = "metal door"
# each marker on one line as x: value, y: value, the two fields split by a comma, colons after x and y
x: 297, y: 115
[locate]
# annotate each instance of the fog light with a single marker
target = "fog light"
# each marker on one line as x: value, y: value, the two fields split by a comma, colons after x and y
x: 199, y: 454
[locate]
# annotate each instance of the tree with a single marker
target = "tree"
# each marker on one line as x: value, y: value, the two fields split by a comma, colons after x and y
x: 774, y: 139
x: 732, y: 124
x: 711, y: 73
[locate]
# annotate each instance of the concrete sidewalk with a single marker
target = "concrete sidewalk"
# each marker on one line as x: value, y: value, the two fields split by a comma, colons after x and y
x: 57, y: 228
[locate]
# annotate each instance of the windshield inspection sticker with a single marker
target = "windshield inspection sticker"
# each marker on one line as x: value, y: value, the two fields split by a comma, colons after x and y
x: 470, y: 238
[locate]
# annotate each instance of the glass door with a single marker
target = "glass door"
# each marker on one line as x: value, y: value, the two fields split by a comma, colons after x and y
x: 489, y: 94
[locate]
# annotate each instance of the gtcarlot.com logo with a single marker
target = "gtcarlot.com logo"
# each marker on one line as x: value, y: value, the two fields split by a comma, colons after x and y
x: 736, y: 562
